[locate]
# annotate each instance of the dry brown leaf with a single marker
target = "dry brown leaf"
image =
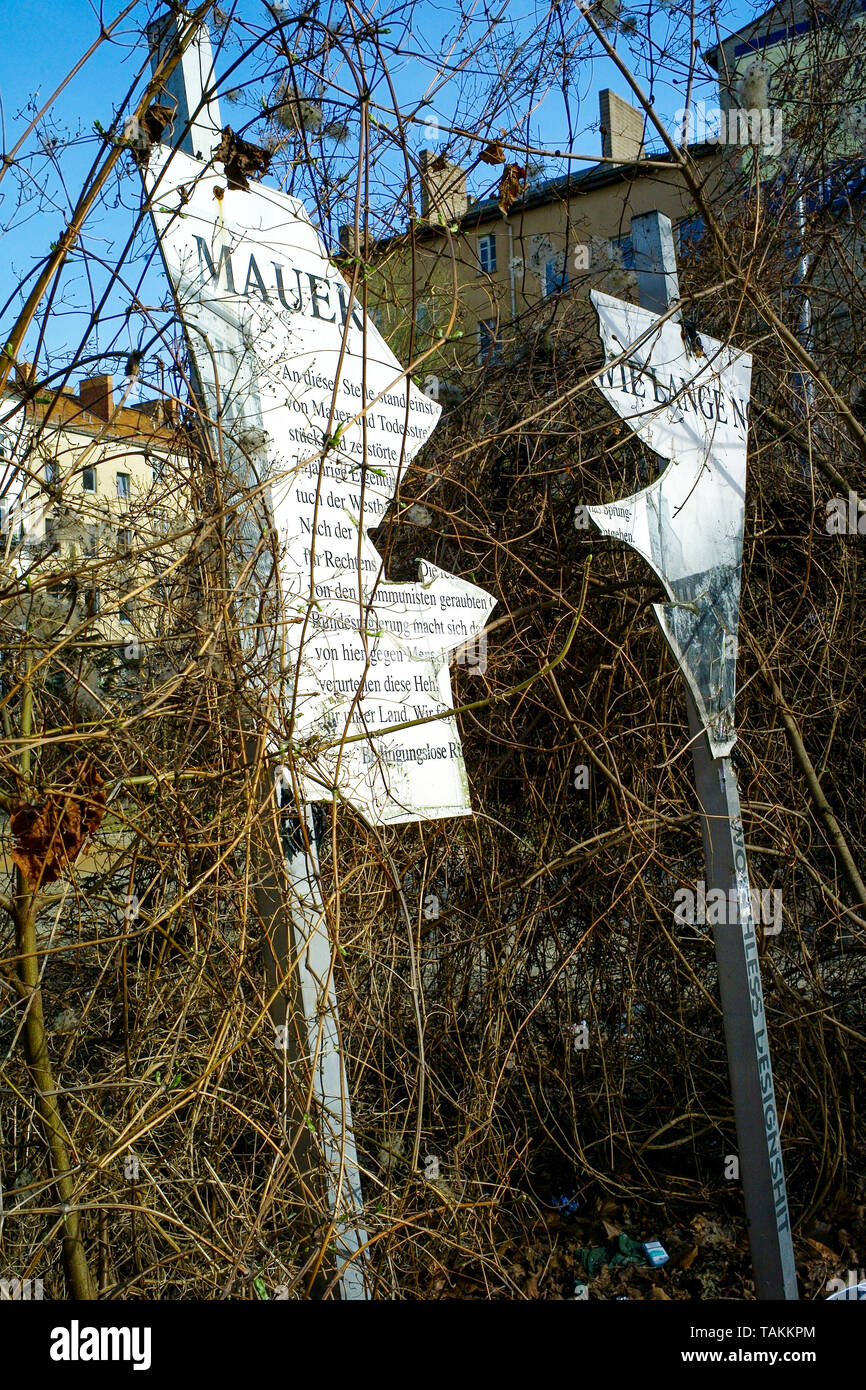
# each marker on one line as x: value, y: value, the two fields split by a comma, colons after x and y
x: 156, y: 118
x: 824, y: 1250
x: 48, y: 833
x: 511, y: 185
x: 493, y: 154
x: 687, y: 1260
x: 242, y: 160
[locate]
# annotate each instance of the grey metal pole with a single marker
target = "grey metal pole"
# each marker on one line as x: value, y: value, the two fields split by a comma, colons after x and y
x: 762, y: 1171
x: 760, y: 1152
x: 655, y: 261
x: 315, y: 964
x: 190, y: 88
x: 305, y: 944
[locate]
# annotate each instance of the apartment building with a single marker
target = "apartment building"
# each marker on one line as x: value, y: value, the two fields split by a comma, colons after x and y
x: 487, y: 273
x: 93, y: 500
x: 809, y: 55
x: 89, y: 486
x: 798, y: 73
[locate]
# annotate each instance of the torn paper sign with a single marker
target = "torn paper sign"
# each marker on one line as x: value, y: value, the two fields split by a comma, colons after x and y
x: 313, y: 410
x: 689, y: 402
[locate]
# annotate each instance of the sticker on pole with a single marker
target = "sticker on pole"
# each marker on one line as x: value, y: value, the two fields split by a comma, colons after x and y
x: 313, y: 411
x: 688, y: 400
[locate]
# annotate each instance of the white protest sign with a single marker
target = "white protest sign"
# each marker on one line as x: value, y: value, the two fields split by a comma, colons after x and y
x: 311, y: 396
x: 690, y: 404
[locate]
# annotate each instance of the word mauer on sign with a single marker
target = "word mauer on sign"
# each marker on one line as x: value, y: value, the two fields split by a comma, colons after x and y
x: 310, y: 293
x: 312, y: 408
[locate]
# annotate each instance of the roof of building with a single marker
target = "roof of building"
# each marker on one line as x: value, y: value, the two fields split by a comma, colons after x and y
x: 149, y: 422
x: 558, y: 189
x: 568, y: 185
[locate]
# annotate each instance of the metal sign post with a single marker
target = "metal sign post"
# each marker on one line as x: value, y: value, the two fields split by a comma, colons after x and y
x: 688, y: 401
x: 762, y: 1171
x: 315, y: 964
x: 303, y: 945
x: 316, y: 411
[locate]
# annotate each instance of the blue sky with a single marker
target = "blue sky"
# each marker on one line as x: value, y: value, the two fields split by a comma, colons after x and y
x: 44, y: 38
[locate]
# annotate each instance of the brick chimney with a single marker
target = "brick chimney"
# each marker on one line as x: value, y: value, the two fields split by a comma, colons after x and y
x: 96, y: 394
x: 25, y: 375
x: 164, y: 410
x: 621, y: 128
x: 347, y: 239
x: 443, y: 188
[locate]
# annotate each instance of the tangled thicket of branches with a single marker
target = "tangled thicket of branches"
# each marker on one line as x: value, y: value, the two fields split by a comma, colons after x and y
x: 155, y: 1143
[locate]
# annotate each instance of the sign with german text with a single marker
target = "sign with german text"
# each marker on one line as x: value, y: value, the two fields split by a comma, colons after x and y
x: 688, y: 400
x: 319, y: 414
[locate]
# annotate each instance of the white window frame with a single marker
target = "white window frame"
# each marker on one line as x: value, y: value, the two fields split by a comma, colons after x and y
x: 487, y: 253
x: 625, y: 247
x: 556, y: 269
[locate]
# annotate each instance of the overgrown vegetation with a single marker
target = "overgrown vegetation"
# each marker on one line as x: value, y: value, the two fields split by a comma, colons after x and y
x: 155, y: 1144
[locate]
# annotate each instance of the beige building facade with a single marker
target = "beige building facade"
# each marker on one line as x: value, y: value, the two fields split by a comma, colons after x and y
x: 88, y: 484
x: 474, y: 278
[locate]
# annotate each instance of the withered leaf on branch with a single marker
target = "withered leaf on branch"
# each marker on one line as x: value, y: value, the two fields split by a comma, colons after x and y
x: 511, y: 185
x: 242, y: 160
x: 48, y: 833
x: 493, y: 153
x: 157, y: 118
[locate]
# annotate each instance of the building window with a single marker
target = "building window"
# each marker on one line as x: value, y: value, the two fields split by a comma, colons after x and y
x: 124, y: 538
x: 489, y: 346
x: 92, y: 537
x: 487, y: 253
x: 555, y: 275
x: 124, y: 611
x: 88, y: 480
x: 423, y: 317
x: 52, y: 472
x: 123, y: 488
x: 621, y: 252
x: 91, y: 602
x: 689, y: 234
